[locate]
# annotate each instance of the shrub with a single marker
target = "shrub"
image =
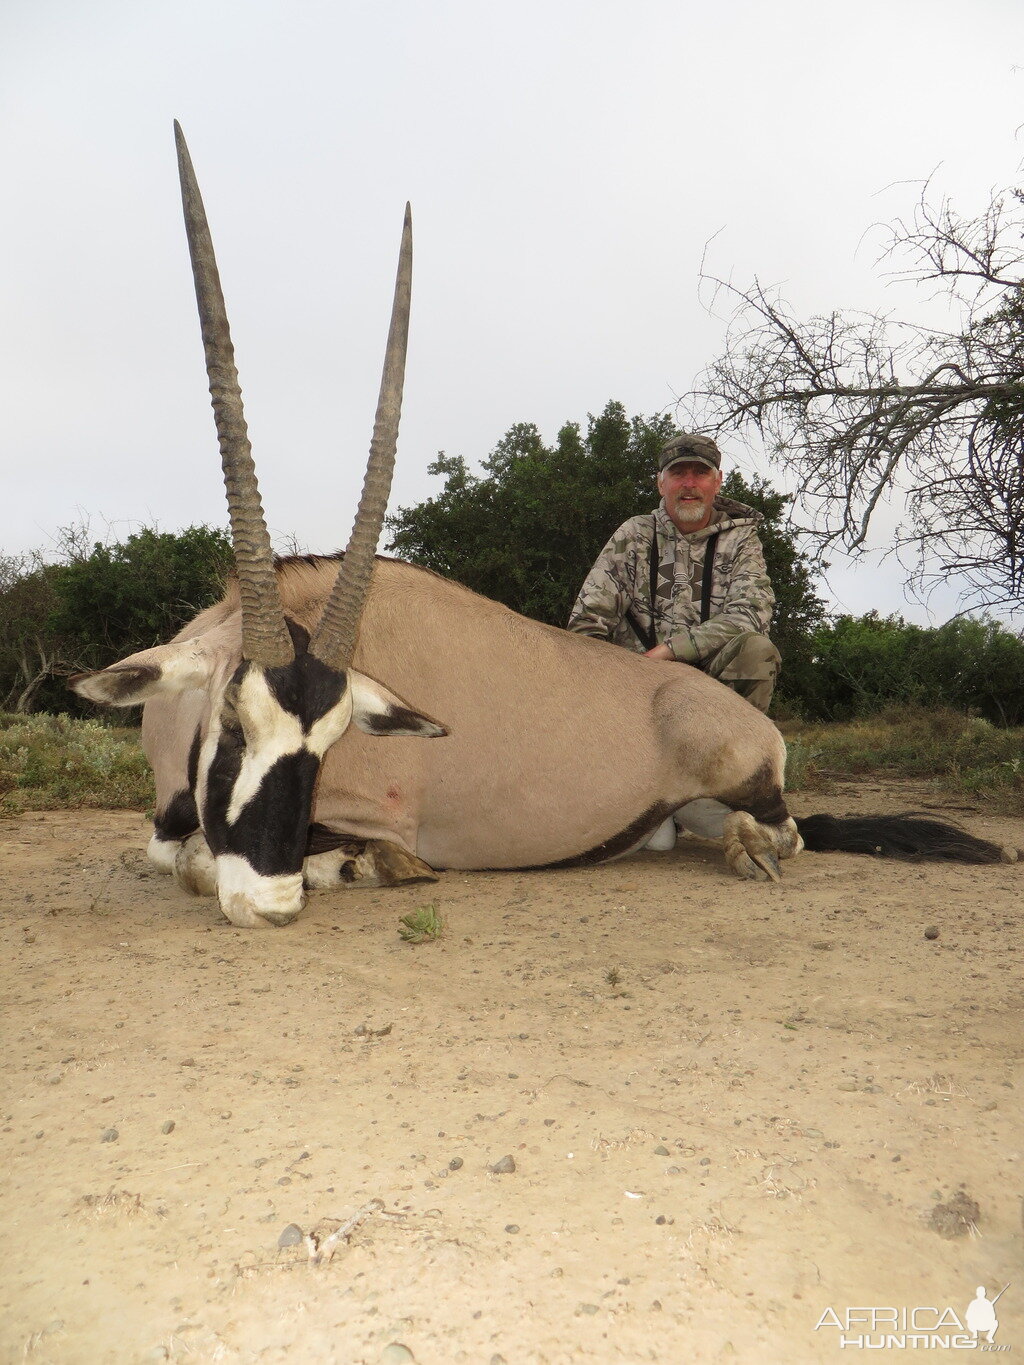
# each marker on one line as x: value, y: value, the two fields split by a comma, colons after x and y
x: 53, y: 762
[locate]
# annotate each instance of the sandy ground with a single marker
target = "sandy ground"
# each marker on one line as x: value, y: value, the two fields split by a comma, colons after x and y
x: 730, y: 1107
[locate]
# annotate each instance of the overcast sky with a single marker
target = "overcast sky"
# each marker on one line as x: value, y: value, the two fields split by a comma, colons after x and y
x: 567, y: 161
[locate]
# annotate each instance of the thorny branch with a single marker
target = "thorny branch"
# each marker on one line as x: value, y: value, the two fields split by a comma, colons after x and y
x: 863, y: 408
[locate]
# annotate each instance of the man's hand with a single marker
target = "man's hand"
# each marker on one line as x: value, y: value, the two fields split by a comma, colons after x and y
x: 659, y: 652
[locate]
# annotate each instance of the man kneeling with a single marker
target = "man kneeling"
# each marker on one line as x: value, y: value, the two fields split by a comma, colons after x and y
x: 688, y: 581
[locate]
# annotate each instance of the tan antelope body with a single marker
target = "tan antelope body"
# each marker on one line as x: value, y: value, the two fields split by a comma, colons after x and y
x: 286, y: 725
x: 557, y: 745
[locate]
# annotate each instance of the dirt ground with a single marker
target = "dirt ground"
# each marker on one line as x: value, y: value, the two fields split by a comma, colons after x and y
x: 730, y: 1107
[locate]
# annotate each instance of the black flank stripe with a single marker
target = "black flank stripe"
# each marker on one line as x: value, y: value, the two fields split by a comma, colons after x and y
x: 633, y: 833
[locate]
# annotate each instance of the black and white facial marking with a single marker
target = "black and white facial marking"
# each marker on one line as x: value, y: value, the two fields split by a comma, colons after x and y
x: 259, y: 768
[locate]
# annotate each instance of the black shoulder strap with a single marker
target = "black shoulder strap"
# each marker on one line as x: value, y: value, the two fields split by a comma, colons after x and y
x: 709, y: 571
x: 654, y: 565
x: 647, y: 636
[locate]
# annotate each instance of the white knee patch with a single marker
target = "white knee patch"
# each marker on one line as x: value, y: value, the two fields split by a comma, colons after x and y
x: 163, y: 852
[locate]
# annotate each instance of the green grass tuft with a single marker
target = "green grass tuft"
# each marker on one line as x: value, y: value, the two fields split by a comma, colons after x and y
x: 422, y: 926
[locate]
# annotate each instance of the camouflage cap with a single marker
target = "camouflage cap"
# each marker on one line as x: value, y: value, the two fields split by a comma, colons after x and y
x: 688, y: 445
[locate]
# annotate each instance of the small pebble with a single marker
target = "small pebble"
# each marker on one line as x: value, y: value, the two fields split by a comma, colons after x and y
x: 661, y: 1151
x: 813, y: 1133
x: 109, y: 1135
x: 291, y: 1237
x: 396, y: 1354
x: 511, y: 1227
x: 931, y: 932
x: 167, y: 1127
x: 456, y: 1163
x: 589, y: 1308
x: 503, y: 1167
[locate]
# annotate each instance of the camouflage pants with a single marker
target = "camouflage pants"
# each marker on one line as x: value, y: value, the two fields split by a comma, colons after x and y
x: 749, y: 664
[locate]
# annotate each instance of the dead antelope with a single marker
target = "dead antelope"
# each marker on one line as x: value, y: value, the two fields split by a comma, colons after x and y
x: 286, y: 724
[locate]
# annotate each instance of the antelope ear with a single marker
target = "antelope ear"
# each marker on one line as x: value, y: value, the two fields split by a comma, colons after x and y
x: 380, y: 712
x: 156, y: 672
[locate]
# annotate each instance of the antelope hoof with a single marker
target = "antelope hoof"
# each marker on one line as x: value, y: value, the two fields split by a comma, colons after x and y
x: 769, y: 863
x: 395, y: 867
x: 749, y: 849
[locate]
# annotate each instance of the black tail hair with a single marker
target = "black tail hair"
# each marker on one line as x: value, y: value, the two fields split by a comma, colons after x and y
x: 908, y: 835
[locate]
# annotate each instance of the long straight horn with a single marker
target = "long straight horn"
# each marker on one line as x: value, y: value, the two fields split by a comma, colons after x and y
x: 334, y: 640
x: 265, y: 638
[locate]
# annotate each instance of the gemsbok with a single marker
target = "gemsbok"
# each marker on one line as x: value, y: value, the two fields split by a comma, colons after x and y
x: 286, y: 725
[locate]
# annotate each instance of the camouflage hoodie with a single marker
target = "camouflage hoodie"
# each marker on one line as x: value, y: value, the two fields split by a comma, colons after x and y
x: 741, y: 595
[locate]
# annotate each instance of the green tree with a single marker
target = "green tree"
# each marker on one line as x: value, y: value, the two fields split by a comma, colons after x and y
x: 862, y: 664
x: 527, y: 530
x: 30, y: 652
x: 95, y: 605
x: 139, y: 592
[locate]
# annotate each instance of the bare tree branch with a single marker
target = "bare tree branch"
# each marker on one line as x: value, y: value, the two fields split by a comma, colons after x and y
x: 860, y: 408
